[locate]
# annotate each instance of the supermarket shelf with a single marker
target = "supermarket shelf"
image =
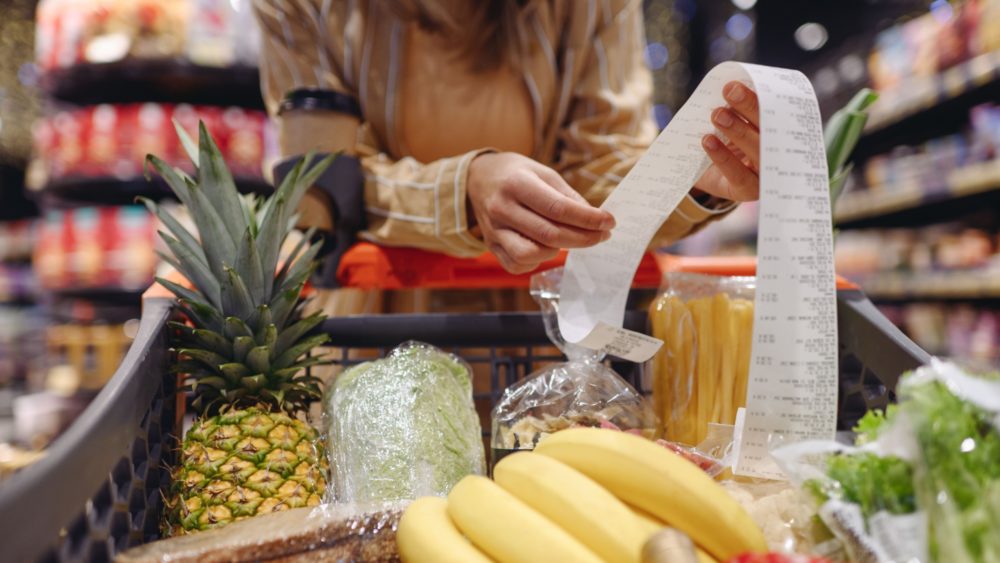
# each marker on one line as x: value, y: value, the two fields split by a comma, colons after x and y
x: 72, y: 192
x: 167, y: 80
x: 966, y: 189
x: 22, y: 301
x: 933, y: 286
x: 116, y: 294
x: 932, y: 107
x: 13, y: 203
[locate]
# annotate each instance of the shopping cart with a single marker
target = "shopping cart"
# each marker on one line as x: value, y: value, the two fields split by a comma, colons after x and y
x: 98, y: 490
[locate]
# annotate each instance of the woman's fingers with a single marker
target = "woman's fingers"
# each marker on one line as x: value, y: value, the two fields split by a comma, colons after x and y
x: 553, y: 204
x: 743, y: 100
x: 546, y: 232
x: 519, y: 254
x: 739, y: 182
x: 740, y: 133
x: 554, y: 179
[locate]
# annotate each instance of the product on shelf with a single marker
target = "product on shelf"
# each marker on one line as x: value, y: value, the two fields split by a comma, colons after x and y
x: 42, y: 416
x: 927, y: 167
x: 21, y: 344
x: 17, y: 239
x: 403, y: 426
x: 922, y: 47
x: 17, y: 283
x: 961, y: 331
x: 948, y: 247
x: 245, y: 352
x: 214, y: 33
x: 110, y: 142
x: 107, y: 248
x: 89, y: 353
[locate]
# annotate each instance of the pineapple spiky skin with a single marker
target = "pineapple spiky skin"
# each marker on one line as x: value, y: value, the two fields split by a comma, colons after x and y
x: 245, y: 350
x: 242, y: 463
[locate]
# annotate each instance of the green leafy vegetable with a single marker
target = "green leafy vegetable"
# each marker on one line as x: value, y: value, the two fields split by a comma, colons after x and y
x: 954, y: 477
x: 403, y: 427
x: 868, y: 428
x: 958, y: 477
x: 872, y: 482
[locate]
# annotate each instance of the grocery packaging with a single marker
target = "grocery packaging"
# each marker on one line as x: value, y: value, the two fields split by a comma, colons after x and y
x: 786, y: 515
x: 108, y: 142
x: 96, y: 248
x: 328, y: 533
x: 700, y: 374
x: 580, y: 392
x: 922, y: 482
x: 245, y: 349
x: 403, y: 426
x: 204, y: 32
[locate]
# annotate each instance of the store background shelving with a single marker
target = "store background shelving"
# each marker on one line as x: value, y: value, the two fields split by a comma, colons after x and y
x: 97, y: 84
x: 21, y: 318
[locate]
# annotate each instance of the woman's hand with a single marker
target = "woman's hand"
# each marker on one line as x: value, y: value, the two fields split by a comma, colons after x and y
x: 733, y: 173
x: 527, y: 212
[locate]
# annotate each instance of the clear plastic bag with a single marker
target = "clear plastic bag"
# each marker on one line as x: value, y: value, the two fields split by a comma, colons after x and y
x: 922, y: 483
x: 700, y: 375
x: 325, y: 533
x: 402, y: 427
x: 580, y: 392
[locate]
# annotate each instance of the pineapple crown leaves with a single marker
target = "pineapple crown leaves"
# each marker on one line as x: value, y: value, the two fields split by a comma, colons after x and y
x: 249, y: 339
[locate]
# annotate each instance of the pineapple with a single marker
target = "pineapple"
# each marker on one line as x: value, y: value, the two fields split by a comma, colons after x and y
x: 246, y: 349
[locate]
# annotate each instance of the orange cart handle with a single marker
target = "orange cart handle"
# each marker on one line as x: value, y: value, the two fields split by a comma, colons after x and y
x: 367, y: 266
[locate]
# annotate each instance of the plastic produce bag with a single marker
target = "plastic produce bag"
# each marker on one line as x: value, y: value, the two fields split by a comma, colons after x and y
x: 700, y: 374
x: 403, y: 427
x: 580, y: 392
x: 922, y: 483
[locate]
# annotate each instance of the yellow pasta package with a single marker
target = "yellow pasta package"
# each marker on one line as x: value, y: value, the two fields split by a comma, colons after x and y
x: 700, y: 374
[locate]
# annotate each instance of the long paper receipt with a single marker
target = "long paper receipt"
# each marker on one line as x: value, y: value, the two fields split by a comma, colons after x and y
x: 792, y: 390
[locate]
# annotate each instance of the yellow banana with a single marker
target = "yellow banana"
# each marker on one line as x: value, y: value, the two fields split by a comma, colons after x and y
x: 576, y: 503
x: 650, y: 525
x: 662, y: 483
x: 426, y: 534
x: 508, y: 530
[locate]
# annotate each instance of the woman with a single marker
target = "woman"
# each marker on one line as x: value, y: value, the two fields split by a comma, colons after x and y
x: 493, y: 125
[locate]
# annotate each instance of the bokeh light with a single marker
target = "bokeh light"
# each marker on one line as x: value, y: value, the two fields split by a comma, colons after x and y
x: 657, y: 55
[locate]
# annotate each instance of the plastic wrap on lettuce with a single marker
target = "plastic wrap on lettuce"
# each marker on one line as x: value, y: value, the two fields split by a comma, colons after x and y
x: 403, y: 427
x: 922, y: 482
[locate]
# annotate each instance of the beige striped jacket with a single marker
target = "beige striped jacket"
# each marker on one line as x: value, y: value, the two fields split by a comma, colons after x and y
x: 589, y: 87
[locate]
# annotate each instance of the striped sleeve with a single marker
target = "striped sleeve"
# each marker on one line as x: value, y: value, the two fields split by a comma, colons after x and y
x: 301, y: 47
x: 420, y: 205
x: 610, y: 123
x: 407, y: 203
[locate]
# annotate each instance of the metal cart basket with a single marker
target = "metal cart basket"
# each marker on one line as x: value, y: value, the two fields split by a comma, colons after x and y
x: 98, y: 489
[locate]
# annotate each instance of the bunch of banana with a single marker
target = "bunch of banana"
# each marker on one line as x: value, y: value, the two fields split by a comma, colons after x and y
x: 583, y: 495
